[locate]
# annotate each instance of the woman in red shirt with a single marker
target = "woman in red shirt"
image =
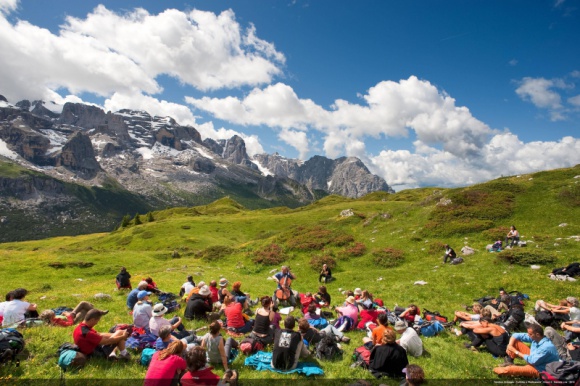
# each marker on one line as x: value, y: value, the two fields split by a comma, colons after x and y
x: 235, y: 318
x: 166, y: 365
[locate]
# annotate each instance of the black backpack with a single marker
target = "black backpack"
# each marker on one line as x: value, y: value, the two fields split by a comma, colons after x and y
x: 561, y: 372
x: 327, y: 348
x: 11, y: 344
x: 545, y: 318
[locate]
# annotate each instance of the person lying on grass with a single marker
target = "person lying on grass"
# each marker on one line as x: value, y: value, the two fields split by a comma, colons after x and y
x: 66, y: 319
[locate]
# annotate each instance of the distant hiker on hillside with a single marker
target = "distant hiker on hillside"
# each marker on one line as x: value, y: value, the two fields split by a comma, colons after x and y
x: 449, y: 254
x: 325, y: 274
x: 513, y: 237
x: 123, y: 279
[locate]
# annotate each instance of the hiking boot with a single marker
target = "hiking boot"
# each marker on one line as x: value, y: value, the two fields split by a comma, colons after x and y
x: 467, y: 344
x: 112, y: 358
x: 345, y: 339
x: 508, y: 361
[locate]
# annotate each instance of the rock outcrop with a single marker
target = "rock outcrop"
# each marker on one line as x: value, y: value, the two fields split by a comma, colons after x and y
x: 78, y: 155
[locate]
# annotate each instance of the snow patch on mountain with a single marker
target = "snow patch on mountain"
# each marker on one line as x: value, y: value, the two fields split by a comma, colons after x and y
x: 5, y: 151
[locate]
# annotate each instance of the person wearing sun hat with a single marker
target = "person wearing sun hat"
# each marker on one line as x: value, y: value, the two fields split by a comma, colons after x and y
x: 223, y: 290
x: 199, y: 305
x: 348, y: 315
x: 357, y: 293
x: 142, y: 312
x: 158, y: 321
x: 409, y: 339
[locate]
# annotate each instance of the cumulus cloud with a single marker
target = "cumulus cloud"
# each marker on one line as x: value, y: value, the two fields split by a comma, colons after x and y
x: 575, y: 101
x: 505, y: 154
x: 542, y: 93
x: 296, y: 139
x: 108, y: 52
x: 391, y: 109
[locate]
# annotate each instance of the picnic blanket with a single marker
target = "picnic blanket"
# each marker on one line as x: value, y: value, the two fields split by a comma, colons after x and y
x: 262, y: 362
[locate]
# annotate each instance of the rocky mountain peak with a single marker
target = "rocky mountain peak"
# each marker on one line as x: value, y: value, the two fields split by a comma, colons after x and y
x: 78, y: 155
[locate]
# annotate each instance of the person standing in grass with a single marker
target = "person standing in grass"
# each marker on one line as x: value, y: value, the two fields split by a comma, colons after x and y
x: 541, y: 352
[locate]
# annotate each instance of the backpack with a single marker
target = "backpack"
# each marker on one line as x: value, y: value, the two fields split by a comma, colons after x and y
x: 393, y: 318
x: 318, y: 323
x: 146, y: 356
x: 362, y: 356
x: 11, y: 344
x: 545, y: 318
x: 166, y: 296
x: 429, y: 316
x: 457, y: 260
x: 69, y: 355
x: 327, y: 348
x: 429, y: 329
x: 250, y: 345
x: 561, y: 372
x: 171, y: 305
x: 122, y: 326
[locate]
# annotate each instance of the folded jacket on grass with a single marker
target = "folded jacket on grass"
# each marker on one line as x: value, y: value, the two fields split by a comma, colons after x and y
x: 262, y: 361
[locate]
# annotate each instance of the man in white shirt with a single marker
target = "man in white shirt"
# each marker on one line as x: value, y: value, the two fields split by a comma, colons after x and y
x: 409, y: 339
x: 15, y: 310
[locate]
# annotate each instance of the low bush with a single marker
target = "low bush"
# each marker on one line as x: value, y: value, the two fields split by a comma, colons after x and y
x: 498, y: 233
x: 436, y: 247
x: 358, y: 249
x: 388, y: 257
x: 215, y: 252
x: 316, y: 262
x: 272, y: 254
x: 316, y: 238
x: 526, y: 257
x: 458, y: 227
x: 570, y: 195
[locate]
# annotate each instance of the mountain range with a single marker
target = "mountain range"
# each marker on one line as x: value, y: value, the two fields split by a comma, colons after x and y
x: 74, y: 168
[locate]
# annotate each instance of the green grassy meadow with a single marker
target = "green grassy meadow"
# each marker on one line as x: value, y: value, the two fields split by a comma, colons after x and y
x: 391, y: 241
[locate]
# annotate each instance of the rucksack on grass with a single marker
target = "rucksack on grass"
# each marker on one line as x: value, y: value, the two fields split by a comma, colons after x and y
x: 327, y: 348
x: 11, y: 344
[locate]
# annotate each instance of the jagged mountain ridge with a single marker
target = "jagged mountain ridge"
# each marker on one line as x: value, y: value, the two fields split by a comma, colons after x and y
x: 158, y: 161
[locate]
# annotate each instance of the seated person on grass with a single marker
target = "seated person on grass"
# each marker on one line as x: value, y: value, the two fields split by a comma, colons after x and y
x: 325, y: 274
x: 313, y: 336
x: 409, y: 339
x: 494, y: 337
x: 165, y: 338
x: 217, y: 350
x: 388, y: 358
x: 166, y: 365
x: 93, y: 343
x: 132, y: 298
x: 288, y: 346
x: 198, y: 373
x: 16, y: 311
x: 158, y: 321
x: 376, y: 336
x: 513, y: 237
x: 465, y: 316
x: 537, y: 356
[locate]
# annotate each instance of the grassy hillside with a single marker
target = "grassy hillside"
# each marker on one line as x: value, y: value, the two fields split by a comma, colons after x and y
x: 388, y: 243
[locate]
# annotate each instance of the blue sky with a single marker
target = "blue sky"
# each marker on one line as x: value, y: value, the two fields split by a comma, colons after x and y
x: 424, y: 92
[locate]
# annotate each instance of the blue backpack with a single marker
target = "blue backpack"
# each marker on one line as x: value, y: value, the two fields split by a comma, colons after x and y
x: 146, y: 356
x: 429, y: 329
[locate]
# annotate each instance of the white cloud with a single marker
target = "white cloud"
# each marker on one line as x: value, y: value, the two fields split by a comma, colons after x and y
x: 296, y: 139
x: 513, y: 62
x: 392, y: 108
x: 8, y: 6
x: 575, y: 101
x: 558, y: 3
x: 107, y: 52
x: 505, y: 154
x: 538, y: 91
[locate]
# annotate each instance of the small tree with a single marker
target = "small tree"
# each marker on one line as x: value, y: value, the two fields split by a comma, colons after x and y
x: 137, y: 219
x: 150, y: 217
x: 125, y: 221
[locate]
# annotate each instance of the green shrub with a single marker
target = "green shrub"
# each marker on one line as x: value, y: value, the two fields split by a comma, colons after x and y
x: 215, y: 252
x: 316, y: 262
x: 436, y: 247
x: 388, y: 257
x: 570, y: 195
x: 272, y: 254
x: 459, y: 227
x: 498, y: 233
x: 524, y: 257
x: 316, y: 238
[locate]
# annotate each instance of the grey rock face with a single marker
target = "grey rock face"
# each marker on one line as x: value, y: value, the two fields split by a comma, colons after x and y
x: 78, y: 155
x: 344, y: 176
